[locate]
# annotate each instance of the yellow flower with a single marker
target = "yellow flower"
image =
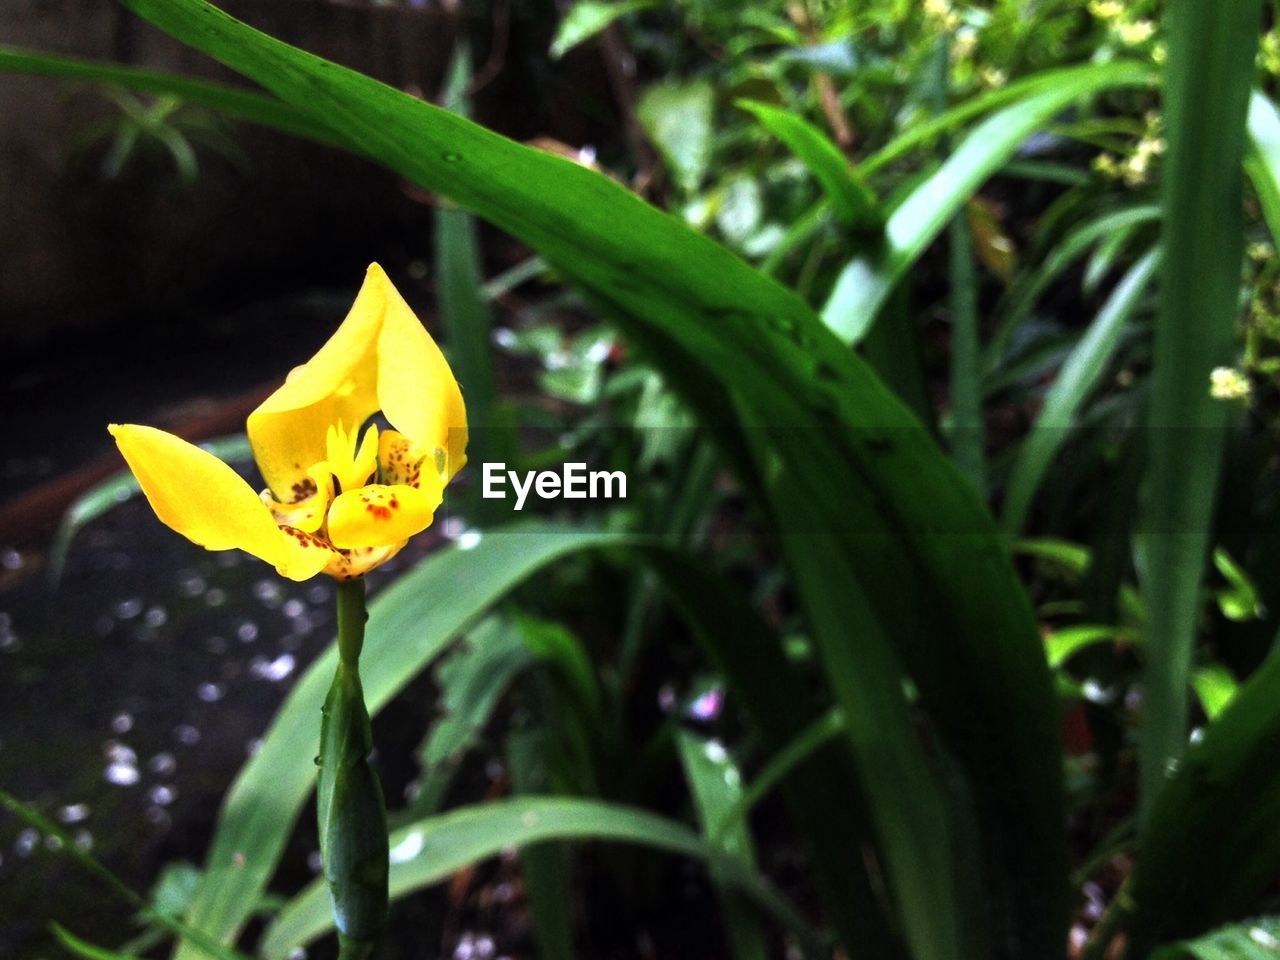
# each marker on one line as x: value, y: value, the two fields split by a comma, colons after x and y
x: 320, y: 512
x: 942, y: 12
x: 1106, y: 9
x: 1135, y: 33
x: 992, y: 77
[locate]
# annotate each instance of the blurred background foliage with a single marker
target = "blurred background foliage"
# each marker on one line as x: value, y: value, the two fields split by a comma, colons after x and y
x: 972, y: 195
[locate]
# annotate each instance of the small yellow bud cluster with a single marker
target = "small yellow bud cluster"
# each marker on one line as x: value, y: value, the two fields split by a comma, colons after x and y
x: 1130, y: 33
x: 1136, y: 32
x: 1228, y: 383
x: 1106, y: 10
x: 1269, y: 52
x: 992, y: 77
x: 1136, y: 169
x: 1107, y: 165
x: 942, y: 13
x: 1138, y: 165
x: 1261, y: 251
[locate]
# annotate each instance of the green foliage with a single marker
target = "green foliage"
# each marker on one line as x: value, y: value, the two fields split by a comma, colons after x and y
x: 409, y: 625
x: 851, y: 200
x: 661, y: 282
x: 1256, y: 940
x: 899, y: 668
x: 715, y: 785
x: 678, y: 117
x: 1208, y: 849
x: 865, y: 282
x: 429, y: 851
x: 1079, y: 375
x: 586, y: 18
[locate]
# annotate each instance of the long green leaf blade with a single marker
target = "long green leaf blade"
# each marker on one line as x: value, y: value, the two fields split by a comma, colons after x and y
x: 1254, y: 940
x: 465, y: 317
x: 1028, y: 287
x: 1207, y: 83
x: 851, y: 199
x: 936, y: 127
x: 1210, y: 845
x: 822, y: 791
x: 240, y: 104
x: 715, y: 786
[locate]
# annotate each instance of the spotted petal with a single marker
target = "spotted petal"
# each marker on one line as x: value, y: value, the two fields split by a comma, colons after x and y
x: 310, y: 503
x: 380, y: 515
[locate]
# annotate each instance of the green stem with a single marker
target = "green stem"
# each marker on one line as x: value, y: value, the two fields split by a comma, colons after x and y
x: 349, y: 804
x: 351, y: 619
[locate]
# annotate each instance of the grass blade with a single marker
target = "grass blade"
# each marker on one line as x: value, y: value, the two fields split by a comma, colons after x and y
x: 1209, y: 848
x: 780, y: 766
x: 85, y: 949
x: 967, y: 431
x: 932, y: 129
x: 240, y: 104
x: 1255, y: 940
x: 913, y: 824
x: 586, y: 18
x: 1207, y: 83
x: 715, y: 786
x: 851, y: 199
x: 1075, y: 382
x: 465, y: 317
x: 432, y: 850
x: 545, y: 866
x: 200, y: 941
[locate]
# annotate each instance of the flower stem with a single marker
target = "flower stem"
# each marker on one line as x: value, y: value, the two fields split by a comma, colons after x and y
x: 349, y: 803
x: 351, y: 619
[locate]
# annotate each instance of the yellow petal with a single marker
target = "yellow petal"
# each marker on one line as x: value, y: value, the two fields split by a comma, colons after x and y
x: 403, y: 461
x: 380, y: 358
x: 338, y: 384
x: 416, y: 389
x: 207, y: 502
x: 379, y: 515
